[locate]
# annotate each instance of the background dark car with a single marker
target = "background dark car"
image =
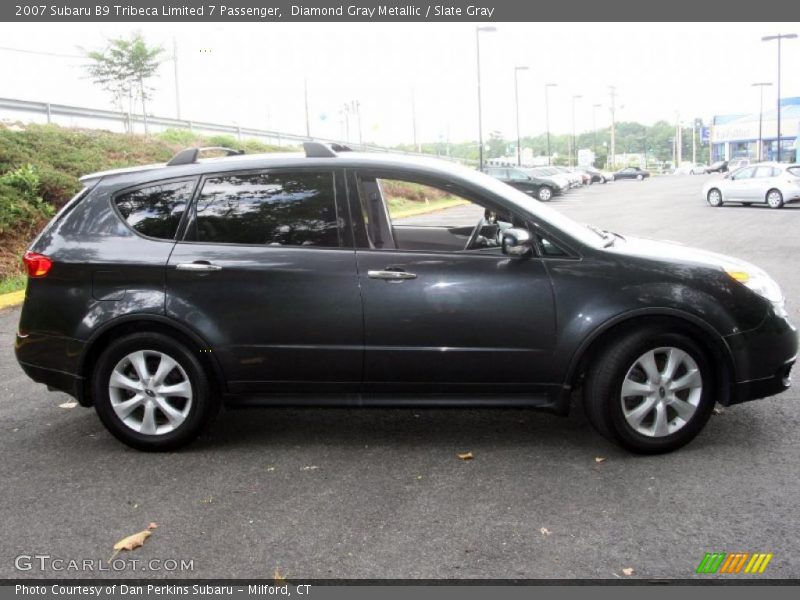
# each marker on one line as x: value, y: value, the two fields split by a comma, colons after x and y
x: 541, y: 189
x: 632, y: 173
x: 159, y: 294
x: 721, y: 166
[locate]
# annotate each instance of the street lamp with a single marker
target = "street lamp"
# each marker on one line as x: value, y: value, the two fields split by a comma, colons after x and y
x: 594, y: 128
x: 574, y: 140
x: 516, y: 106
x: 547, y: 86
x: 761, y: 86
x: 779, y: 37
x: 478, y: 30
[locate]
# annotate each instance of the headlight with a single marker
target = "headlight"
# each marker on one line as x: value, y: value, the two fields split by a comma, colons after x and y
x: 758, y: 281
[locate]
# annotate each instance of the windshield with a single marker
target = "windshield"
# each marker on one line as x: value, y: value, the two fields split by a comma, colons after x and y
x: 589, y: 236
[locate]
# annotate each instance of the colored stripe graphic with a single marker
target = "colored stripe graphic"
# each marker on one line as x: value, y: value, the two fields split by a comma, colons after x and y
x: 731, y: 563
x: 711, y: 562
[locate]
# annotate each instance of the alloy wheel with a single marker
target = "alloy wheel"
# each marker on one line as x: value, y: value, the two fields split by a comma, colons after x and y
x: 661, y: 391
x: 774, y: 199
x: 545, y: 194
x: 715, y: 197
x: 150, y: 392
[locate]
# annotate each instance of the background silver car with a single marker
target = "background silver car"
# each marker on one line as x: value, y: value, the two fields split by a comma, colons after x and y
x: 772, y: 183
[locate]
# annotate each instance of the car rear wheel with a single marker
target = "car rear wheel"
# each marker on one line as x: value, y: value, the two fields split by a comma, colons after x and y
x: 650, y: 392
x: 545, y: 194
x: 151, y: 392
x: 714, y: 197
x: 774, y: 199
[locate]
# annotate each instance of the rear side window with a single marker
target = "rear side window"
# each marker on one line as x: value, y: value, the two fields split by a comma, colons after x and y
x: 273, y: 209
x: 156, y: 211
x: 794, y: 171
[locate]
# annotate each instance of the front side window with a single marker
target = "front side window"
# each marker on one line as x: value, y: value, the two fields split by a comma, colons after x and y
x: 271, y: 209
x: 743, y: 174
x: 517, y: 175
x: 156, y: 211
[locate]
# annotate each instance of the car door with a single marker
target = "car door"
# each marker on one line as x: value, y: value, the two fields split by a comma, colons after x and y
x: 740, y: 185
x: 266, y: 273
x: 764, y: 179
x: 441, y: 319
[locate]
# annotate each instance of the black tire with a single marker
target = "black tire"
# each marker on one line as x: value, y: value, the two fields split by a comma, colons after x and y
x: 603, y: 390
x: 204, y: 406
x: 774, y: 199
x: 714, y: 197
x: 545, y: 194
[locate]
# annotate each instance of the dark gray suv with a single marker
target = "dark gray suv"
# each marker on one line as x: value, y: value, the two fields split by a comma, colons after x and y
x: 337, y: 278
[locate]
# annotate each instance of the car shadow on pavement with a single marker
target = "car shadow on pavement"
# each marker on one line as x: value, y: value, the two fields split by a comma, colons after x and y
x: 400, y: 429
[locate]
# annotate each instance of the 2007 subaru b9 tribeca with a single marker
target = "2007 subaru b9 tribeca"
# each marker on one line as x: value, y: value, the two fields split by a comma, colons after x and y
x: 159, y: 293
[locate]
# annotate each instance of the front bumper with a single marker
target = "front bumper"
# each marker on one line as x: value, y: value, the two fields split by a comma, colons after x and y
x: 763, y: 359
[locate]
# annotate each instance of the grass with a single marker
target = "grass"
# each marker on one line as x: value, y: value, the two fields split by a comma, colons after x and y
x: 400, y: 208
x: 13, y: 284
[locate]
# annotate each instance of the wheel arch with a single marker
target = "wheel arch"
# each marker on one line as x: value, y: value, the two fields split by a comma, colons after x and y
x: 138, y: 323
x: 696, y: 328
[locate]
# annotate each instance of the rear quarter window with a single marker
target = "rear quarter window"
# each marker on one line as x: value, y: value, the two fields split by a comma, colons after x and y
x: 156, y: 210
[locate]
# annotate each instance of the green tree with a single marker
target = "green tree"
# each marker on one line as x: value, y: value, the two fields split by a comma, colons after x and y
x: 123, y: 69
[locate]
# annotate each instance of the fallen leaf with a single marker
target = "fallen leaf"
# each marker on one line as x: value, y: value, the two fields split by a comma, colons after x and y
x: 270, y: 468
x: 310, y: 468
x: 131, y: 542
x: 627, y: 571
x: 208, y: 500
x: 465, y: 455
x: 545, y: 531
x: 152, y: 526
x: 599, y: 459
x: 718, y: 411
x: 68, y: 404
x: 278, y: 578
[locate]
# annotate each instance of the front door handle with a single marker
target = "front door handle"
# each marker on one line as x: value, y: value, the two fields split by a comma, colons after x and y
x: 198, y: 266
x: 391, y: 275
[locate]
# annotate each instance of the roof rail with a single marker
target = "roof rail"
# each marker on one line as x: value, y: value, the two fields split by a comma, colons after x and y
x: 189, y: 155
x: 320, y: 150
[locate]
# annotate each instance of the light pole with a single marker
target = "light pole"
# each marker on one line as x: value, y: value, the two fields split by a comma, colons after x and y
x: 594, y: 129
x: 547, y: 87
x: 574, y: 140
x: 779, y: 37
x: 487, y: 29
x: 761, y: 85
x: 516, y: 108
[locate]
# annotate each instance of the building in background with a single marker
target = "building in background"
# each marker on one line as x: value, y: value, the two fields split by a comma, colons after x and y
x: 736, y: 136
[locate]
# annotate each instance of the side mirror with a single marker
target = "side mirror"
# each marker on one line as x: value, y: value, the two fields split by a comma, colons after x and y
x: 516, y: 242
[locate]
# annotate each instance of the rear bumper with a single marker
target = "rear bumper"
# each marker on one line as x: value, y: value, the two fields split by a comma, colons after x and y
x: 53, y: 361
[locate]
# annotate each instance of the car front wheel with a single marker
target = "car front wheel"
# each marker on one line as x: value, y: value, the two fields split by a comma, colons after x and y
x: 650, y: 392
x: 545, y: 194
x: 714, y: 197
x: 151, y: 392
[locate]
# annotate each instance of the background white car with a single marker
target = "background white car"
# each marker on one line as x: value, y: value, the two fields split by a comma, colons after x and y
x: 772, y: 183
x: 690, y: 168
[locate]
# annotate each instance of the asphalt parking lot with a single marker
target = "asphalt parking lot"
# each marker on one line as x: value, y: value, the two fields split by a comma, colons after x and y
x: 345, y: 493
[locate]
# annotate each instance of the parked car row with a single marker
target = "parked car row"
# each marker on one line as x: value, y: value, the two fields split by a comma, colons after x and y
x: 543, y: 183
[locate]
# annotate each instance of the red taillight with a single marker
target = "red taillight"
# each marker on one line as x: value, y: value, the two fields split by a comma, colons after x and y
x: 38, y: 265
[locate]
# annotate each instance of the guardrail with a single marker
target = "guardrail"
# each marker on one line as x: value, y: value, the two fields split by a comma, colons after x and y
x: 127, y: 121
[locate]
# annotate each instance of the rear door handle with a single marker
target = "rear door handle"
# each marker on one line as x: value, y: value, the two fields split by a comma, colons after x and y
x: 198, y: 266
x: 391, y: 275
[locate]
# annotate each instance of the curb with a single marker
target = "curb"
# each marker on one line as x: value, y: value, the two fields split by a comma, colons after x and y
x: 11, y: 299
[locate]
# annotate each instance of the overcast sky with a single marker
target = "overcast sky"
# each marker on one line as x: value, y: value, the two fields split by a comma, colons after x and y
x: 252, y: 74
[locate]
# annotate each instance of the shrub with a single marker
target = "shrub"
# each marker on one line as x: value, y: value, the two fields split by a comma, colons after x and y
x: 182, y: 137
